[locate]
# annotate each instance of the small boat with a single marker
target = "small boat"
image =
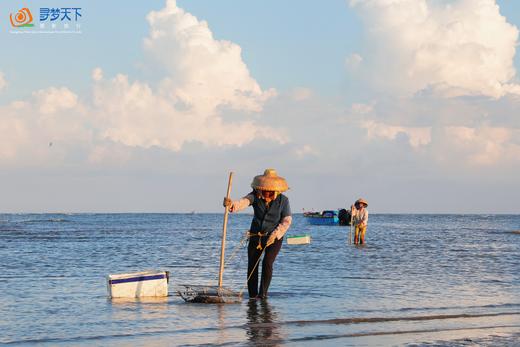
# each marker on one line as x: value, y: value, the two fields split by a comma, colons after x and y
x: 327, y: 217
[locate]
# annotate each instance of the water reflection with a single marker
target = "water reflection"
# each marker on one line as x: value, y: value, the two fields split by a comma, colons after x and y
x: 139, y: 309
x: 222, y: 331
x: 139, y: 300
x: 261, y: 324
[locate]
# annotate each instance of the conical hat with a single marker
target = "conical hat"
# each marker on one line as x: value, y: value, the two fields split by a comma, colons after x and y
x: 270, y: 181
x: 362, y: 201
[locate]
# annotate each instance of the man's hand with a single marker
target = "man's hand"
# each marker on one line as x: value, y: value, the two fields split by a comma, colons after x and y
x: 271, y: 240
x: 227, y: 202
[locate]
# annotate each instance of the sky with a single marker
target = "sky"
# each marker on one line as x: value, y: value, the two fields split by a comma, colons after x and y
x: 413, y: 105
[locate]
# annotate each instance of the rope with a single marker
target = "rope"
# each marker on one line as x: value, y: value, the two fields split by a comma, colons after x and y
x: 248, y: 277
x: 260, y: 235
x: 235, y: 250
x: 248, y: 235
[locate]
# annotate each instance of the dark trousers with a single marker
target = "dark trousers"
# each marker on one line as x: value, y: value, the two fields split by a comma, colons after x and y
x: 253, y: 254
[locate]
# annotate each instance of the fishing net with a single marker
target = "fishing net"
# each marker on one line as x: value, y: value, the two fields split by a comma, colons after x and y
x: 214, y: 294
x: 209, y: 294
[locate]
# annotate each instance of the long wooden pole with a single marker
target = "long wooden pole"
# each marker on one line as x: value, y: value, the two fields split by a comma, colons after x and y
x: 350, y: 232
x: 224, y: 227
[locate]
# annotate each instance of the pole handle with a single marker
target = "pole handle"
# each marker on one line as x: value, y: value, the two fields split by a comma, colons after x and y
x: 224, y: 227
x: 350, y: 232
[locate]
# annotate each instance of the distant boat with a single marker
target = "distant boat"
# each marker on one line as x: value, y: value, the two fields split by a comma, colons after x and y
x: 327, y: 217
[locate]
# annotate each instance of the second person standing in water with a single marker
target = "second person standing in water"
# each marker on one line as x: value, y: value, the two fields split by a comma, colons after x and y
x: 272, y: 218
x: 360, y: 220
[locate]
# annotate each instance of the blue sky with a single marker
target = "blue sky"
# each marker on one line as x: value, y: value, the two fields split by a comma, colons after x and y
x: 281, y: 41
x: 413, y: 106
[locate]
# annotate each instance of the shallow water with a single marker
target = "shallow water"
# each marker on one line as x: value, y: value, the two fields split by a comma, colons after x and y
x: 419, y: 280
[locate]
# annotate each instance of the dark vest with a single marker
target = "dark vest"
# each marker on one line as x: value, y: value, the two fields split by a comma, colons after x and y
x: 265, y: 219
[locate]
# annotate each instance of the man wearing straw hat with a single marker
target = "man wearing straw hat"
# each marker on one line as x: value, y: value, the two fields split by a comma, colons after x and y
x: 360, y: 220
x: 272, y: 218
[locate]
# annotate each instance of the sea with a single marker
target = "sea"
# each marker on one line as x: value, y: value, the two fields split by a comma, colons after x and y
x: 420, y: 280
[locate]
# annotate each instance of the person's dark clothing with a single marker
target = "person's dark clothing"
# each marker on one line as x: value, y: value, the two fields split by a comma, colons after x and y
x: 266, y: 219
x: 253, y: 253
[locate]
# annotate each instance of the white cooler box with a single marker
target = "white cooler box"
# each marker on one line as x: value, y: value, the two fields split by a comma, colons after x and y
x: 299, y: 240
x: 138, y: 284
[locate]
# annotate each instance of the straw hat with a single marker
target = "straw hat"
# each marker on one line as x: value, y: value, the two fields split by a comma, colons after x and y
x: 270, y: 181
x: 362, y: 201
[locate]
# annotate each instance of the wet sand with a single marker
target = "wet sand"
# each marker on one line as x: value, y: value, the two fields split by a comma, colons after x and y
x: 497, y: 329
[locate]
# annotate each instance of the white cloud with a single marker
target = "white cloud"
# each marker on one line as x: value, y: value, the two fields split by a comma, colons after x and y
x: 460, y: 47
x: 44, y: 129
x: 300, y: 94
x: 353, y: 61
x: 13, y: 133
x: 133, y: 114
x: 306, y: 150
x: 53, y: 99
x: 360, y: 109
x: 484, y: 145
x: 3, y: 82
x: 416, y: 136
x: 204, y: 72
x: 109, y: 154
x: 206, y: 78
x: 97, y: 74
x: 422, y: 51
